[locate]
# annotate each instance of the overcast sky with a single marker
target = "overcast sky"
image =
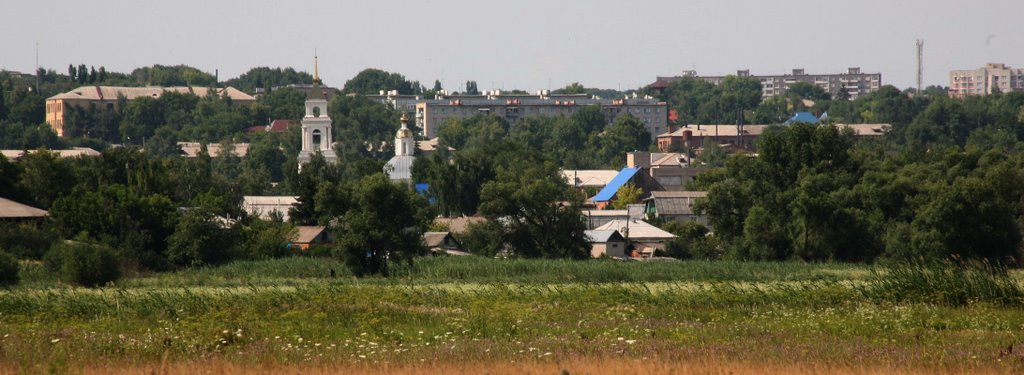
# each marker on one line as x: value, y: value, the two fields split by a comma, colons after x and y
x: 524, y: 44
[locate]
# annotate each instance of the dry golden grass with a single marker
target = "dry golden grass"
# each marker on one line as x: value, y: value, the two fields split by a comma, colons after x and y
x: 623, y: 366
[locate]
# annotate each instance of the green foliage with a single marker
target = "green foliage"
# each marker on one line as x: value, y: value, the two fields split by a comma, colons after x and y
x: 541, y: 215
x: 262, y: 77
x: 27, y: 240
x: 628, y: 194
x: 371, y: 81
x: 471, y: 88
x: 120, y: 217
x: 9, y: 270
x: 483, y: 238
x: 692, y: 241
x: 267, y: 239
x: 199, y: 239
x: 46, y: 177
x: 177, y: 75
x: 385, y: 224
x: 365, y: 125
x: 84, y: 263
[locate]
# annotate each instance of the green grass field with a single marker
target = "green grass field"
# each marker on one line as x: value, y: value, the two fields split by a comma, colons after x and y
x: 463, y: 310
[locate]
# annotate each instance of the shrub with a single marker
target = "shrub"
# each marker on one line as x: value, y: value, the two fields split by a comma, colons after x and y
x: 83, y: 263
x: 27, y: 241
x: 483, y: 238
x: 8, y: 270
x: 268, y: 239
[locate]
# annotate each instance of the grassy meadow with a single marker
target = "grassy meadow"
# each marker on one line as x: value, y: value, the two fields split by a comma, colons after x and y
x: 475, y: 315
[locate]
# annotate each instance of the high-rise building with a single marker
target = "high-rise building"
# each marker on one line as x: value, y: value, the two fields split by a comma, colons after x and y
x: 985, y: 80
x: 853, y: 82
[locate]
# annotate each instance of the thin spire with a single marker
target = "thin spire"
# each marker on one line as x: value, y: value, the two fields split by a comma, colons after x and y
x: 316, y: 68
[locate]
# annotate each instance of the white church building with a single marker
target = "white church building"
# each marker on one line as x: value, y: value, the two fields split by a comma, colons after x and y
x: 399, y: 168
x: 316, y: 125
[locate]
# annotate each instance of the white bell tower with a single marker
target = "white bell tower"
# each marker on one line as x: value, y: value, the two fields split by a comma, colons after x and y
x: 405, y: 144
x: 316, y: 124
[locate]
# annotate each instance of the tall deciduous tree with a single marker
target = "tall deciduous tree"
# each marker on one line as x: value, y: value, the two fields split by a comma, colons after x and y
x: 540, y: 214
x: 385, y: 224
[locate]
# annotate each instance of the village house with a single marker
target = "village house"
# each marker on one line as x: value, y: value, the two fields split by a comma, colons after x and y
x: 306, y: 236
x: 442, y: 243
x: 265, y: 207
x: 606, y: 243
x: 14, y: 211
x: 675, y: 206
x: 646, y: 238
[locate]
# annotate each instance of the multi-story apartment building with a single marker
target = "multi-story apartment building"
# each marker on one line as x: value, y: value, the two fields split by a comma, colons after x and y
x: 106, y: 97
x: 431, y: 113
x: 984, y: 81
x: 854, y: 82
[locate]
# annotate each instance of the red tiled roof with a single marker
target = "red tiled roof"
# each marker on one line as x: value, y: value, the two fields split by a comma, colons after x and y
x: 255, y: 129
x: 279, y: 126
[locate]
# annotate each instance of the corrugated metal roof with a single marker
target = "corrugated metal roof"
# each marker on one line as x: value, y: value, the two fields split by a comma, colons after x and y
x: 13, y: 210
x: 603, y: 235
x: 624, y: 176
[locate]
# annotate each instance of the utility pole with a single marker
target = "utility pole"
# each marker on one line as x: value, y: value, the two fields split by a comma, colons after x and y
x: 920, y: 64
x: 37, y: 67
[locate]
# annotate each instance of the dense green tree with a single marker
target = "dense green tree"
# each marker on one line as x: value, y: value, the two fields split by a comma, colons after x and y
x: 135, y: 224
x: 46, y: 177
x: 371, y: 81
x: 262, y: 77
x: 739, y: 95
x: 385, y: 224
x: 8, y: 270
x: 199, y: 239
x: 471, y: 88
x: 541, y: 215
x: 84, y: 262
x: 627, y: 195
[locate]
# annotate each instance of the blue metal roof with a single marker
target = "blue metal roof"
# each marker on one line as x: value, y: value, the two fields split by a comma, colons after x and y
x: 615, y: 184
x: 802, y: 117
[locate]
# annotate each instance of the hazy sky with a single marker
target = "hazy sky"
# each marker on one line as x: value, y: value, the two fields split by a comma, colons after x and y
x: 524, y: 44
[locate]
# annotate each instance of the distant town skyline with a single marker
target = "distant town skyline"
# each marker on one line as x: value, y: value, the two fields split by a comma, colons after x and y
x: 528, y: 45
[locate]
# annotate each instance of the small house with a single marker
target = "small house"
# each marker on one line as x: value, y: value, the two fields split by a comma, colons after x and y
x: 606, y: 242
x: 306, y: 236
x: 442, y: 243
x: 14, y: 211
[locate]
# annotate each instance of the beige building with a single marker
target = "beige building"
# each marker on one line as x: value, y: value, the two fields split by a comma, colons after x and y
x: 984, y: 80
x: 106, y: 97
x: 432, y: 113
